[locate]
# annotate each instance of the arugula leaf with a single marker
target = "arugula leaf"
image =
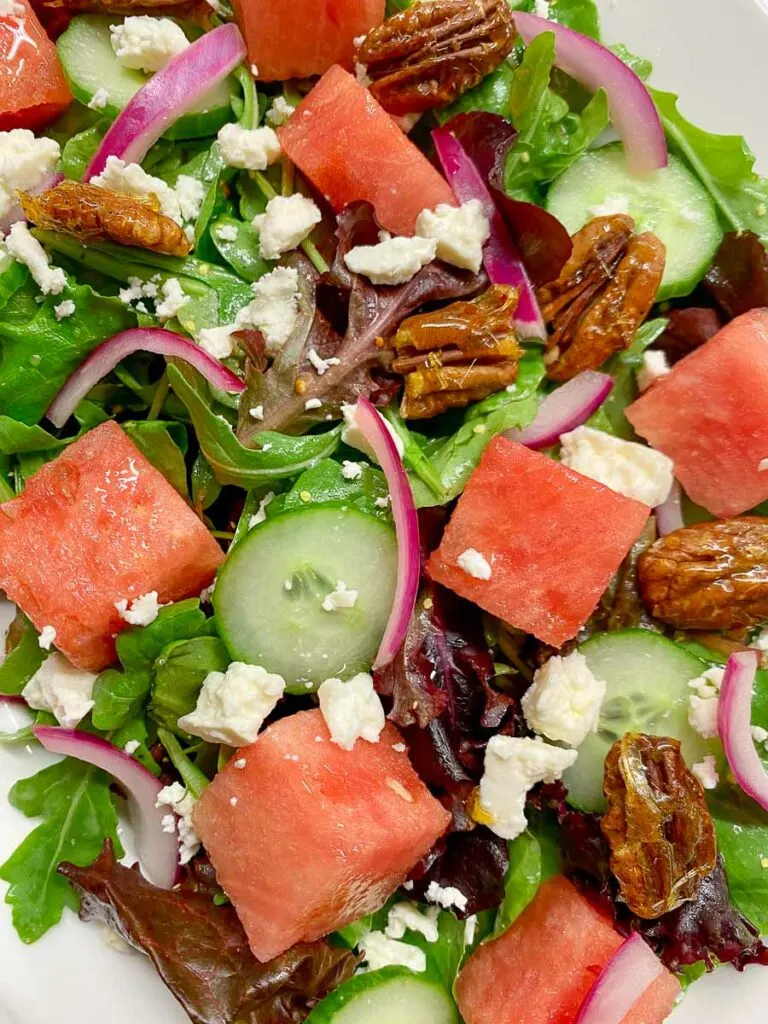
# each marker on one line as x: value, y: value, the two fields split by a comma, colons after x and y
x: 179, y: 672
x: 205, y: 487
x: 232, y: 462
x: 521, y: 881
x: 156, y: 441
x: 490, y: 95
x: 136, y: 730
x: 79, y: 149
x: 580, y: 15
x: 18, y: 437
x: 193, y: 778
x: 725, y: 166
x: 24, y: 660
x: 640, y: 65
x: 326, y: 485
x: 74, y: 801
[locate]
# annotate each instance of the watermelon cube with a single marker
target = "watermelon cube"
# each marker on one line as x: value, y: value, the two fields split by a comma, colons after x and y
x: 306, y: 837
x: 33, y: 89
x: 350, y: 148
x: 97, y: 525
x: 710, y: 416
x: 304, y: 37
x: 541, y: 969
x: 552, y: 537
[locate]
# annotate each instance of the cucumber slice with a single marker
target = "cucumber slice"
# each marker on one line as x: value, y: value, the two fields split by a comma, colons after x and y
x: 672, y: 203
x: 287, y: 630
x: 647, y: 691
x: 393, y: 994
x: 89, y: 63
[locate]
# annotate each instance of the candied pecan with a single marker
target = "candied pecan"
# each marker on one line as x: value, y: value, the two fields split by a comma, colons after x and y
x: 430, y: 54
x: 94, y: 214
x: 712, y: 575
x: 657, y: 824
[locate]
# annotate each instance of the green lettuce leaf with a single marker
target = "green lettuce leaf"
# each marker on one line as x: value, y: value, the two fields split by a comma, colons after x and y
x: 742, y: 839
x: 164, y: 445
x: 521, y: 881
x: 24, y: 660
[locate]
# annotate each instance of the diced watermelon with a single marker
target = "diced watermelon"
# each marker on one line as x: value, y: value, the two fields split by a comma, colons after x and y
x: 97, y: 525
x: 350, y: 148
x: 552, y: 537
x: 541, y: 969
x: 304, y: 37
x: 33, y: 90
x: 710, y: 416
x: 306, y: 837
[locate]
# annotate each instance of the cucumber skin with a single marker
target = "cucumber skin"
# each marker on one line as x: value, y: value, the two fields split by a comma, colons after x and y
x: 325, y: 1012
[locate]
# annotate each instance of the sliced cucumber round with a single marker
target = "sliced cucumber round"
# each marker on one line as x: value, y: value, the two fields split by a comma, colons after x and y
x: 89, y: 63
x: 393, y: 995
x: 269, y: 594
x: 671, y: 202
x: 647, y: 691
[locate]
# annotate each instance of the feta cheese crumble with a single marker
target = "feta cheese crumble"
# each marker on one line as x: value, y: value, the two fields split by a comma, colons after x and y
x: 380, y: 951
x: 703, y: 703
x: 131, y: 747
x: 261, y: 513
x: 279, y: 112
x: 446, y: 896
x: 257, y: 412
x: 227, y: 233
x: 762, y: 465
x: 190, y: 194
x: 218, y: 342
x: 352, y: 710
x: 182, y: 804
x: 474, y: 564
x: 339, y: 597
x: 393, y: 261
x: 11, y: 9
x: 99, y: 100
x: 706, y: 772
x: 407, y: 916
x: 629, y: 468
x: 655, y: 366
x: 313, y: 403
x: 351, y: 470
x: 353, y: 436
x: 46, y: 638
x: 274, y: 308
x: 459, y: 231
x: 141, y: 611
x: 147, y: 44
x: 285, y: 223
x: 232, y: 705
x: 63, y: 690
x: 64, y: 309
x: 173, y: 299
x: 133, y: 180
x: 25, y: 163
x: 612, y: 206
x: 25, y: 248
x: 563, y: 702
x: 251, y: 149
x: 321, y: 365
x: 470, y: 927
x: 512, y: 766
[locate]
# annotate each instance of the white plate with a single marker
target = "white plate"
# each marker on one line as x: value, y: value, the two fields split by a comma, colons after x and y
x: 711, y: 52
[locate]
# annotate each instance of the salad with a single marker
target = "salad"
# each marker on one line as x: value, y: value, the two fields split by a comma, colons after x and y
x: 383, y: 508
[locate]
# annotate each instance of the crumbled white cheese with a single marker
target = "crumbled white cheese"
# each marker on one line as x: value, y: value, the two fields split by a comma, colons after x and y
x: 340, y: 597
x: 321, y: 365
x: 254, y: 70
x: 612, y: 206
x: 261, y: 514
x: 760, y: 640
x: 706, y: 772
x: 131, y: 747
x: 407, y: 916
x: 232, y: 705
x: 380, y: 951
x: 470, y: 927
x: 227, y: 233
x: 190, y: 194
x: 352, y: 710
x: 382, y: 502
x: 393, y: 261
x: 704, y: 702
x: 285, y: 223
x: 218, y: 342
x: 361, y: 74
x: 759, y: 734
x: 64, y: 309
x: 279, y: 112
x: 11, y: 9
x: 46, y: 638
x: 251, y: 149
x: 274, y: 308
x: 513, y: 765
x: 25, y: 164
x: 399, y: 748
x: 240, y: 762
x: 459, y: 231
x: 138, y: 289
x: 351, y: 470
x: 313, y: 403
x: 474, y: 564
x: 446, y: 896
x: 563, y: 702
x: 99, y: 99
x: 141, y: 611
x: 655, y: 365
x: 631, y: 469
x: 173, y: 299
x: 353, y: 436
x: 133, y: 180
x: 257, y: 412
x: 762, y: 465
x: 182, y: 804
x: 25, y: 248
x: 62, y: 689
x: 147, y: 44
x: 541, y: 9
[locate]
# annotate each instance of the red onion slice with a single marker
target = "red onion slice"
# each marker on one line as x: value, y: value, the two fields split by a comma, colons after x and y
x: 375, y: 431
x: 12, y: 698
x: 501, y: 258
x: 669, y: 515
x: 632, y: 969
x: 168, y: 94
x: 158, y: 850
x: 109, y: 353
x: 734, y: 714
x: 633, y: 112
x: 565, y: 409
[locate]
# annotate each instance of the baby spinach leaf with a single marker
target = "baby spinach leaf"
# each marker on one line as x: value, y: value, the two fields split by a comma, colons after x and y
x: 24, y: 660
x: 242, y: 252
x: 205, y: 487
x: 136, y: 731
x: 521, y: 881
x: 79, y: 149
x: 179, y: 672
x: 742, y: 839
x: 193, y: 778
x: 491, y: 95
x: 162, y: 444
x: 325, y: 484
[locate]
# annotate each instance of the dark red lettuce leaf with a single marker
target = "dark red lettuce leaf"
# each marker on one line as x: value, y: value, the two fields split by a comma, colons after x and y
x: 473, y: 862
x: 201, y: 952
x: 542, y: 240
x: 738, y: 279
x: 342, y: 302
x: 688, y: 329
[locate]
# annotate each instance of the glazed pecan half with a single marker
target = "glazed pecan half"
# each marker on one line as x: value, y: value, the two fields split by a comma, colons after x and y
x: 657, y: 823
x: 458, y: 354
x: 93, y: 214
x: 711, y: 575
x: 430, y: 54
x: 603, y: 294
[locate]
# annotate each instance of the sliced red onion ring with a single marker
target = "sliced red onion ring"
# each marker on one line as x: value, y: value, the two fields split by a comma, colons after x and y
x: 501, y: 258
x: 375, y: 431
x: 169, y: 94
x: 734, y: 715
x: 12, y: 698
x: 633, y: 112
x: 565, y: 409
x: 158, y: 850
x: 669, y: 515
x: 632, y: 970
x: 139, y: 339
